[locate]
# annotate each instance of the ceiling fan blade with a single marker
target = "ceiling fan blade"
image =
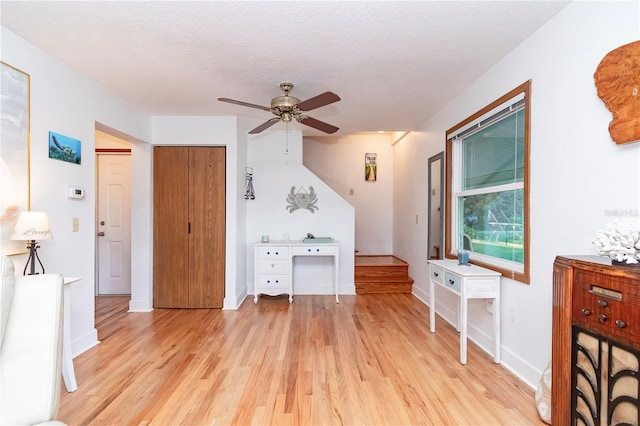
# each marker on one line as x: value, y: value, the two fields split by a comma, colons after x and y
x: 264, y: 126
x: 247, y: 104
x: 317, y: 124
x: 325, y: 98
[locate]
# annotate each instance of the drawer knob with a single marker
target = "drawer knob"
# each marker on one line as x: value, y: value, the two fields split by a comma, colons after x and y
x: 452, y: 282
x: 435, y: 274
x: 602, y: 317
x: 621, y: 324
x: 603, y: 303
x: 268, y: 252
x: 309, y: 250
x: 268, y: 281
x: 277, y: 281
x: 272, y: 265
x: 586, y: 312
x: 277, y: 253
x: 317, y: 250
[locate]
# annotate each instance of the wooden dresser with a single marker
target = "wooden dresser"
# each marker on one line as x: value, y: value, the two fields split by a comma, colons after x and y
x: 596, y: 342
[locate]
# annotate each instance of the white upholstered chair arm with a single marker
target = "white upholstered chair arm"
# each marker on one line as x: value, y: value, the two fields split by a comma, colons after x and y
x: 31, y: 351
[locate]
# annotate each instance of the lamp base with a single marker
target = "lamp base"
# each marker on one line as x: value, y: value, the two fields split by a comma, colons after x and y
x: 33, y: 247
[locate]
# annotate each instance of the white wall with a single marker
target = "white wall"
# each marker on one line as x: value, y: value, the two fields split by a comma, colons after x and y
x: 64, y: 101
x: 339, y: 162
x: 578, y: 175
x: 274, y: 173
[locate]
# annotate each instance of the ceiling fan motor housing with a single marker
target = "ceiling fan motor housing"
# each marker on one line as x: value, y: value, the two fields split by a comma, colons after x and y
x: 284, y: 104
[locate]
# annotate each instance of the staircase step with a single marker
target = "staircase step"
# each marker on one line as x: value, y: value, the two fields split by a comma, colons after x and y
x: 377, y: 272
x: 382, y: 274
x: 384, y: 287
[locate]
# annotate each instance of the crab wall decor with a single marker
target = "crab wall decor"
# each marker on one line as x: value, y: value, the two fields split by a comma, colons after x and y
x: 302, y: 199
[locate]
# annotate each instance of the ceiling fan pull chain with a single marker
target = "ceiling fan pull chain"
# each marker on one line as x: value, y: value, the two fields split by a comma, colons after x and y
x: 286, y: 127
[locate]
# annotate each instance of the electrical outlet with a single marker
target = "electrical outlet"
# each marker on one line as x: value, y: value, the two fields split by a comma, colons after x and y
x: 75, y: 224
x: 416, y: 219
x: 490, y: 305
x: 351, y: 191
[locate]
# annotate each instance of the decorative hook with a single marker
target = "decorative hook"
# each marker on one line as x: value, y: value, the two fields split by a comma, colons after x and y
x: 249, y: 193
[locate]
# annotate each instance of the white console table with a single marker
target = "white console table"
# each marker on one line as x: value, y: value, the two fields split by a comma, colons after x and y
x: 273, y: 269
x: 68, y: 373
x: 468, y: 282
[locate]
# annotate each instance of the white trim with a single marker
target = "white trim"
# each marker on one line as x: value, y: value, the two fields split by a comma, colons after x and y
x: 490, y: 189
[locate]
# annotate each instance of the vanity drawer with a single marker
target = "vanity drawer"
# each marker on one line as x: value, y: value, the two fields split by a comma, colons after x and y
x: 452, y: 281
x: 436, y: 274
x: 273, y: 267
x: 312, y: 249
x: 272, y: 282
x: 273, y: 252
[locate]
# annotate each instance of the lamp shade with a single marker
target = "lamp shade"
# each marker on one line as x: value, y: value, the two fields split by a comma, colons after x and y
x: 32, y: 226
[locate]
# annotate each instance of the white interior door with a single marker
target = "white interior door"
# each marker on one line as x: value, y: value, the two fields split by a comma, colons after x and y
x: 114, y: 224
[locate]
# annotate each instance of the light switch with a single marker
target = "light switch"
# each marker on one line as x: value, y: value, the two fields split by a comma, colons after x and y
x: 75, y: 224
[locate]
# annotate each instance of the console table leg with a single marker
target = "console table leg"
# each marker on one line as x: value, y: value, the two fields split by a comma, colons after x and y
x: 432, y: 308
x: 463, y: 333
x: 496, y: 330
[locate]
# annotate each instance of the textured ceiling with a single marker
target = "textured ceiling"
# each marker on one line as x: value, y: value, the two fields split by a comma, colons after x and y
x: 394, y: 64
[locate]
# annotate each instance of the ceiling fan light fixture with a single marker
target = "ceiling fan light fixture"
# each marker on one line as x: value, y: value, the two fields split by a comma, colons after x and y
x: 286, y: 108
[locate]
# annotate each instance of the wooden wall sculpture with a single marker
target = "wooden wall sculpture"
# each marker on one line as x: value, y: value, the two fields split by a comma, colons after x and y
x: 617, y: 80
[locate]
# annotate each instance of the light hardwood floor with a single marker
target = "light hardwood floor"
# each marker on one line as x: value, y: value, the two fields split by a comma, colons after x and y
x: 369, y: 360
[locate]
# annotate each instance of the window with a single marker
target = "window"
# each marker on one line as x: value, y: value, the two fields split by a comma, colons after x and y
x: 488, y: 185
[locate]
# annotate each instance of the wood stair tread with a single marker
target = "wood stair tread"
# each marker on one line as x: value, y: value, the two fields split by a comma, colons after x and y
x: 381, y: 274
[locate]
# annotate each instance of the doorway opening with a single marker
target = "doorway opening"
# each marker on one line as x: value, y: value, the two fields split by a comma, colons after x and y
x: 113, y: 215
x: 435, y: 234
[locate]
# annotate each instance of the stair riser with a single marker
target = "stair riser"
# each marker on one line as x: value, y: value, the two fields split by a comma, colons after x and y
x: 362, y: 288
x: 366, y: 272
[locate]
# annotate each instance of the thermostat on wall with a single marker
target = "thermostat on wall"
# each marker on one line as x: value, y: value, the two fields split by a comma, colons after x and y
x: 75, y: 192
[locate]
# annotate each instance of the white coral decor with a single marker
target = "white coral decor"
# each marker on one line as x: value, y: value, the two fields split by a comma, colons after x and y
x: 620, y: 240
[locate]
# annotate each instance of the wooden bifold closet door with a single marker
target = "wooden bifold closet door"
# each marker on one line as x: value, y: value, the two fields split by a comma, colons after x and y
x: 188, y: 226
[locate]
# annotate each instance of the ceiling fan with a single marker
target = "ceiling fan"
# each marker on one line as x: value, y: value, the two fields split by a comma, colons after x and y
x: 286, y: 108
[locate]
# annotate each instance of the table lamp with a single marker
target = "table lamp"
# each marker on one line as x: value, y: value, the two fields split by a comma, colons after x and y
x: 32, y: 226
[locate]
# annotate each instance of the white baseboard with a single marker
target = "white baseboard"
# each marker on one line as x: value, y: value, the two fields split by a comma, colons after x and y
x: 233, y: 304
x: 140, y: 305
x: 84, y: 343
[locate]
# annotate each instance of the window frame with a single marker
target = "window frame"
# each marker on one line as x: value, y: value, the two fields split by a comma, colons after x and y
x: 452, y: 181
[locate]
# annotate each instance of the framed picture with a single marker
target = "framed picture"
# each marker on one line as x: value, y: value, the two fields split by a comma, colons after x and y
x: 370, y: 167
x: 64, y: 148
x: 14, y: 153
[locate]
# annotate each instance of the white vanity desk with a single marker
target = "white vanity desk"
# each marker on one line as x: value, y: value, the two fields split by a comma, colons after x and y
x: 273, y: 269
x: 468, y: 282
